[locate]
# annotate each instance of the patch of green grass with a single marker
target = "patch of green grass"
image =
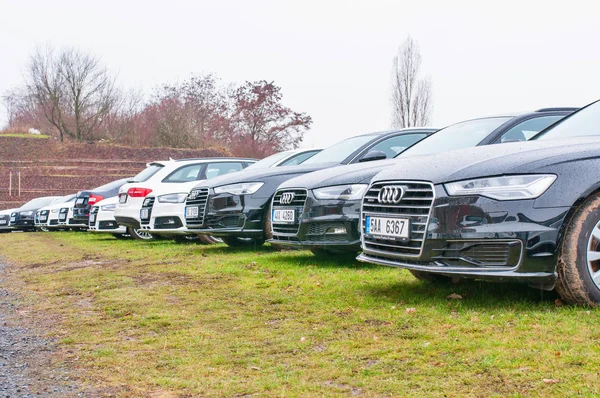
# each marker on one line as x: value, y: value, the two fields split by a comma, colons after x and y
x: 16, y: 135
x: 216, y: 321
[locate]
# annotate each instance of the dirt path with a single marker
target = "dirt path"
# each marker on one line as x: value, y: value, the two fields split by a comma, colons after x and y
x: 26, y: 367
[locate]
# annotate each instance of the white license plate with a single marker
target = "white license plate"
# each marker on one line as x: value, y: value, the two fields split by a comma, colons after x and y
x: 284, y: 216
x: 92, y: 219
x: 80, y: 201
x: 12, y: 219
x: 191, y: 212
x: 2, y: 222
x: 144, y: 214
x: 388, y: 227
x: 44, y: 218
x: 122, y: 198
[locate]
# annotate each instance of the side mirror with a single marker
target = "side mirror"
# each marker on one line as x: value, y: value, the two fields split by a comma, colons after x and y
x: 373, y: 155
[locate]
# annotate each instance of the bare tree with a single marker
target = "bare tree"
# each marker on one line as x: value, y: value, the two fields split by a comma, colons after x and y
x: 73, y: 89
x: 411, y: 95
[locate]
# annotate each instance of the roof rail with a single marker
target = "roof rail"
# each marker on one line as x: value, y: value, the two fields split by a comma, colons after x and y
x: 558, y: 109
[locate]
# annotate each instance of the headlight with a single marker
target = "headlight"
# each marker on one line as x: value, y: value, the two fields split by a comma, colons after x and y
x: 173, y: 198
x: 108, y: 207
x: 54, y: 211
x: 247, y: 188
x: 26, y: 213
x: 341, y: 192
x: 503, y: 188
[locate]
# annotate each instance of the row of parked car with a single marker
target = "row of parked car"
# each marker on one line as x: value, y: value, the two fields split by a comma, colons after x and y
x: 510, y: 197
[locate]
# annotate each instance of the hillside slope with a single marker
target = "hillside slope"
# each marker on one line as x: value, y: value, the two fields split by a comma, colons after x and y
x: 48, y: 167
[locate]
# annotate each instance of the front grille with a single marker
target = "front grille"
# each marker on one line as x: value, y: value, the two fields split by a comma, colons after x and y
x: 147, y: 205
x: 37, y: 217
x: 4, y: 220
x: 62, y: 214
x: 481, y: 254
x: 197, y: 198
x: 297, y: 203
x: 13, y: 216
x: 415, y: 205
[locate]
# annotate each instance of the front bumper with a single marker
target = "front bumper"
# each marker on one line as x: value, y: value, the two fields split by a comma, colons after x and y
x: 474, y: 237
x: 166, y: 219
x: 326, y: 224
x: 128, y: 213
x: 104, y: 222
x: 229, y: 215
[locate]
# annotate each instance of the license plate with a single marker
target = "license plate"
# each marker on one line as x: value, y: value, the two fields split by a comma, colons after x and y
x: 62, y: 217
x: 92, y: 219
x: 2, y: 222
x: 80, y: 201
x: 144, y: 214
x: 388, y: 227
x: 44, y: 218
x: 284, y: 216
x: 12, y: 219
x: 122, y: 198
x: 191, y: 212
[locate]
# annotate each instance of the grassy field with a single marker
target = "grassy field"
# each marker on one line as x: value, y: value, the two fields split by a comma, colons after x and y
x: 24, y: 135
x: 164, y: 319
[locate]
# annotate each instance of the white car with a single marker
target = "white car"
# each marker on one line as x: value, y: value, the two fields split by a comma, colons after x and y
x: 160, y: 177
x: 65, y: 217
x: 5, y: 220
x: 163, y: 212
x: 102, y: 218
x: 46, y: 218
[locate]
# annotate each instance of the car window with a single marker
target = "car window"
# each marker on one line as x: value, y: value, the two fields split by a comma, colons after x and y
x: 191, y: 172
x: 299, y: 158
x: 394, y: 145
x: 337, y: 153
x: 582, y: 123
x: 112, y: 185
x: 219, y: 169
x: 526, y: 130
x: 457, y: 136
x: 148, y: 172
x: 269, y: 160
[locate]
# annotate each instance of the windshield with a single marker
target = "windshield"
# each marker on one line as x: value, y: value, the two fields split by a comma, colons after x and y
x: 269, y: 160
x: 112, y: 185
x: 340, y: 151
x: 460, y: 135
x: 148, y: 172
x: 586, y: 122
x: 37, y: 203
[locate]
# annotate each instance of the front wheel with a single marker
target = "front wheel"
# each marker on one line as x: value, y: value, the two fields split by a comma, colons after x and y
x: 140, y: 234
x: 578, y: 268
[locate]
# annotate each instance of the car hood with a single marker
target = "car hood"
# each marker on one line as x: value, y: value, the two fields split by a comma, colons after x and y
x: 7, y: 212
x: 359, y: 173
x: 492, y: 160
x: 259, y: 175
x: 58, y: 205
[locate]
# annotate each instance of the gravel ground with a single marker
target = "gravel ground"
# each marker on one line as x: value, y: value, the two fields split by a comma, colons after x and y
x: 26, y: 369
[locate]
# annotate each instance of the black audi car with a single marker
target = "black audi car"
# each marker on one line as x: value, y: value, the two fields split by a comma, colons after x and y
x: 236, y: 206
x: 326, y: 218
x: 23, y: 218
x: 526, y: 211
x: 86, y: 199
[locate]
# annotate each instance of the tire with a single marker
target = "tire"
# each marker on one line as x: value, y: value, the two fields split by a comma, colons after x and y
x: 430, y: 276
x: 235, y: 241
x: 209, y: 239
x: 579, y: 256
x: 43, y: 229
x: 139, y: 234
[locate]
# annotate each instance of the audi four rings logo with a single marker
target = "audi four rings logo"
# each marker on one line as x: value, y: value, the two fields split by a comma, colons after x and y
x: 286, y: 198
x: 193, y: 194
x: 390, y: 195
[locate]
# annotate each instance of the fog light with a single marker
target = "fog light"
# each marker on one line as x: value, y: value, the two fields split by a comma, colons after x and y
x: 336, y: 230
x: 170, y: 221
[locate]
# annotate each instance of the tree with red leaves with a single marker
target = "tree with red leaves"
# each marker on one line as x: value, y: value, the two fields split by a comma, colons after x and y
x: 260, y: 124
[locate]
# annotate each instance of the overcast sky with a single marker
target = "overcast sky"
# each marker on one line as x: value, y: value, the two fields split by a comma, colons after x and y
x: 332, y: 58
